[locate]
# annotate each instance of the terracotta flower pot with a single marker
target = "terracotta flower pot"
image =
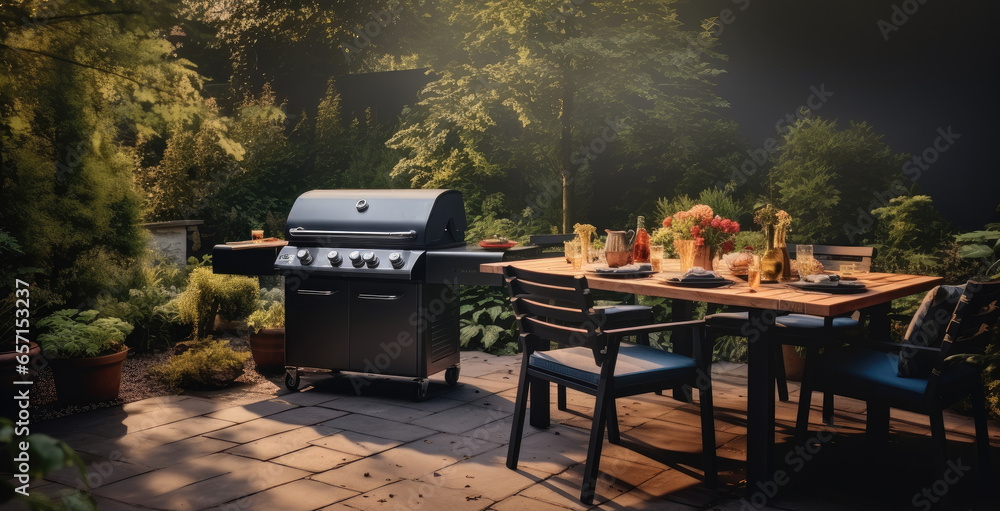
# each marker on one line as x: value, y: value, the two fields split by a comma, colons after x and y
x: 794, y: 363
x: 268, y: 349
x: 87, y: 380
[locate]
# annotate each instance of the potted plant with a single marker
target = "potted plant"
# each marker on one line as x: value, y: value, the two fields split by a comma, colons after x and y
x: 267, y: 337
x: 209, y: 295
x: 86, y: 354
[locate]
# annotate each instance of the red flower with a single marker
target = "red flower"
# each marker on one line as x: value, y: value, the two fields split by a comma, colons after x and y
x: 698, y: 241
x: 716, y: 222
x: 727, y: 246
x: 667, y: 221
x: 736, y: 227
x: 695, y: 231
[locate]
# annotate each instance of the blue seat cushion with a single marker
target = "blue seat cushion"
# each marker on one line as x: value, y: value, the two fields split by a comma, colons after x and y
x: 800, y: 321
x: 927, y: 329
x: 864, y: 373
x: 636, y: 365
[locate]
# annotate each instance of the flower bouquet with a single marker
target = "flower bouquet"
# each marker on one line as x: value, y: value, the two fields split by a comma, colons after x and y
x: 701, y: 232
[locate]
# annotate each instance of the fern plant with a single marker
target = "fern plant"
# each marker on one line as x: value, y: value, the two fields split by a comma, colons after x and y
x: 74, y: 334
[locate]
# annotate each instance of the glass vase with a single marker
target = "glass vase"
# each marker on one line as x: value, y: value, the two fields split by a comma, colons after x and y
x: 685, y: 252
x: 772, y: 264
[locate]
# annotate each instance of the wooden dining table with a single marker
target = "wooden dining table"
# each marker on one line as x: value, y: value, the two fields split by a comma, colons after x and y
x: 763, y: 306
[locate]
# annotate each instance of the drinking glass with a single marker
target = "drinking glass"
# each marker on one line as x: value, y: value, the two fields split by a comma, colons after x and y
x: 685, y: 252
x: 257, y: 235
x: 656, y: 257
x: 753, y: 273
x: 848, y: 269
x: 573, y: 253
x: 803, y: 252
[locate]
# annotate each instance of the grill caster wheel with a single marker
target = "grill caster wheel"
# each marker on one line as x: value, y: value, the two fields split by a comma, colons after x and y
x: 451, y: 375
x: 421, y: 393
x: 292, y: 380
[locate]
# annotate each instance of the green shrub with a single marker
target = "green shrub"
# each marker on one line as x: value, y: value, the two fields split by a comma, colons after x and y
x: 270, y: 316
x: 487, y: 320
x: 74, y: 334
x: 230, y: 296
x: 209, y: 364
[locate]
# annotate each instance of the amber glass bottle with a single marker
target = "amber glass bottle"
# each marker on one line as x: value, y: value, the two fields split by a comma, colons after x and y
x: 640, y: 250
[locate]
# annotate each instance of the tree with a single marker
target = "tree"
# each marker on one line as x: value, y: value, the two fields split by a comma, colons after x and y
x: 829, y: 180
x: 82, y: 84
x: 530, y: 90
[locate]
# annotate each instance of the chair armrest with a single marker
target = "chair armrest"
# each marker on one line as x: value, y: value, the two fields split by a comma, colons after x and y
x: 658, y: 327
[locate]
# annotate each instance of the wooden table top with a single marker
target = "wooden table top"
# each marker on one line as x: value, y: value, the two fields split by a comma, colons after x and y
x: 881, y: 288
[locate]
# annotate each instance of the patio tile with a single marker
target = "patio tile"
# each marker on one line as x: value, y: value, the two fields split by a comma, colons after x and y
x: 252, y: 430
x: 137, y: 489
x: 282, y: 443
x: 106, y: 504
x: 654, y: 492
x: 315, y: 459
x: 252, y: 476
x: 306, y: 397
x: 418, y: 495
x: 476, y: 364
x: 379, y: 427
x: 300, y: 495
x: 176, y: 452
x: 352, y: 442
x: 408, y: 461
x: 252, y: 411
x: 482, y: 474
x: 99, y: 470
x: 463, y: 418
x: 519, y: 503
x: 173, y: 432
x: 564, y: 489
x: 550, y: 451
x: 475, y: 388
x: 152, y: 403
x: 306, y: 415
x: 171, y: 412
x: 381, y: 408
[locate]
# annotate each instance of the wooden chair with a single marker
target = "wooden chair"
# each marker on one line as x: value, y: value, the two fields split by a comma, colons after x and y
x: 592, y: 359
x: 872, y: 374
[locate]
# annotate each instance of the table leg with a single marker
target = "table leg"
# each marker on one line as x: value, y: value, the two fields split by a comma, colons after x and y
x: 760, y: 399
x: 879, y: 324
x: 683, y: 343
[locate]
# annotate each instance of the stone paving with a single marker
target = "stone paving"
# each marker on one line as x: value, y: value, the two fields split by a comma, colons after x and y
x: 328, y: 448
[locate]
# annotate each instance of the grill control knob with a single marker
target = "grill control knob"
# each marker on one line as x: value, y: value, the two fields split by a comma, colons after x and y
x: 370, y: 259
x: 396, y: 260
x: 334, y: 258
x: 355, y: 258
x: 304, y: 256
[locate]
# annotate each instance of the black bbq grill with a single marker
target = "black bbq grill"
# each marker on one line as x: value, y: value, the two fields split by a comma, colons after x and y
x: 372, y: 281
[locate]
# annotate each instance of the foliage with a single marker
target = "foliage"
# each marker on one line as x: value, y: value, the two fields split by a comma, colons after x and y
x: 70, y: 333
x: 823, y: 175
x: 528, y: 91
x: 209, y: 363
x: 487, y: 320
x: 273, y: 316
x: 910, y: 235
x: 230, y: 296
x: 47, y: 455
x: 494, y: 221
x: 976, y: 245
x: 82, y: 84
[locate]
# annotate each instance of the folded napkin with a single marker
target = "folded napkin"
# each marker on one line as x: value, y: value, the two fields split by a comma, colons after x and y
x: 631, y: 268
x: 698, y: 272
x: 821, y: 279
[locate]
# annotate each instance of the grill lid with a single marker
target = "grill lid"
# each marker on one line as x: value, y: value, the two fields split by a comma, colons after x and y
x: 377, y: 218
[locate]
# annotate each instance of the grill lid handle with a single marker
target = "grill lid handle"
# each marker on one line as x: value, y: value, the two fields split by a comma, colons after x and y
x: 301, y: 231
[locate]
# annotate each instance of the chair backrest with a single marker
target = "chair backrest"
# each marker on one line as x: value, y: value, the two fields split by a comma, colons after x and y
x: 976, y: 314
x: 832, y: 256
x: 556, y: 308
x: 545, y: 241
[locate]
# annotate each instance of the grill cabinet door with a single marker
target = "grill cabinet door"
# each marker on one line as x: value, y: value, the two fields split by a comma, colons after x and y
x: 316, y: 323
x: 383, y: 336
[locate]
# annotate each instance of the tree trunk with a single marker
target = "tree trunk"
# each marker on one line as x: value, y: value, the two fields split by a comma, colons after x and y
x: 567, y: 172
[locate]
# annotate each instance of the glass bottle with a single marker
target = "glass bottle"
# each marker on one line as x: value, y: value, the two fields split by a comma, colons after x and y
x: 640, y: 249
x: 772, y: 264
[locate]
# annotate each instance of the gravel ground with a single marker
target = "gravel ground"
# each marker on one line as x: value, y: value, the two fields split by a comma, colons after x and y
x: 137, y: 385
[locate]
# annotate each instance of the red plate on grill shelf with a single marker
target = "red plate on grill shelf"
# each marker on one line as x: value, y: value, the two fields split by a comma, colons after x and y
x: 493, y: 245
